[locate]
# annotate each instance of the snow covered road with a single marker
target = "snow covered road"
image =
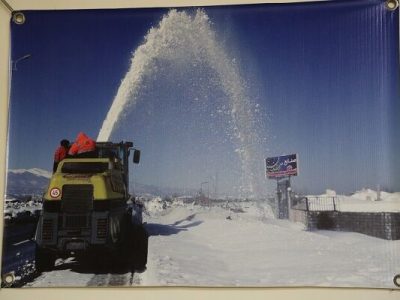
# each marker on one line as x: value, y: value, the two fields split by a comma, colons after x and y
x: 241, y: 245
x: 215, y: 246
x: 70, y: 273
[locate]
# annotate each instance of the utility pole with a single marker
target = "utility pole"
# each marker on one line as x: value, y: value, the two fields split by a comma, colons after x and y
x: 378, y: 193
x: 216, y: 185
x: 201, y: 186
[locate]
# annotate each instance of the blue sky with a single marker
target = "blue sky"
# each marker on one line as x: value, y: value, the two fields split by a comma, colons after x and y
x: 325, y: 77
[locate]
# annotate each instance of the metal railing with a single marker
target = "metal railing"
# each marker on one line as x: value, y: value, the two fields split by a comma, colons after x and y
x: 317, y: 203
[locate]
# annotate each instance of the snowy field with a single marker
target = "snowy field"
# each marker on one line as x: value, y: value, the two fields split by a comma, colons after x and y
x: 241, y: 244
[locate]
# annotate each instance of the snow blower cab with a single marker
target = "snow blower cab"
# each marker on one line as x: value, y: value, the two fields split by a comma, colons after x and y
x: 87, y: 209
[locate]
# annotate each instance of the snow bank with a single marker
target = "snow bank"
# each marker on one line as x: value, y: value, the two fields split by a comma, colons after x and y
x: 233, y: 209
x: 157, y: 205
x: 19, y: 210
x: 371, y: 195
x: 365, y: 200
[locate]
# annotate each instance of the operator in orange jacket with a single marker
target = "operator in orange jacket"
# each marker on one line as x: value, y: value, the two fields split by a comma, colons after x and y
x: 83, y: 146
x: 60, y: 154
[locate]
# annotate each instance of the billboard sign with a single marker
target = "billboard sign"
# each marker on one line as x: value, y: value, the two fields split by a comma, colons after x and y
x: 282, y: 166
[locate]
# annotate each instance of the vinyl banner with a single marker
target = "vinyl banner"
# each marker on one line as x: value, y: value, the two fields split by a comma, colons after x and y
x: 282, y: 166
x: 143, y: 143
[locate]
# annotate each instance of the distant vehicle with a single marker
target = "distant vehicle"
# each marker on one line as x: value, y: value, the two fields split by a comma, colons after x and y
x: 88, y: 211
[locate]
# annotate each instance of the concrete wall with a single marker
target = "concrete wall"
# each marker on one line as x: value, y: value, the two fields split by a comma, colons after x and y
x: 382, y: 225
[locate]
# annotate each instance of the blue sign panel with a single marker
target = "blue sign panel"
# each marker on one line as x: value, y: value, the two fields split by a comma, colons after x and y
x: 282, y: 166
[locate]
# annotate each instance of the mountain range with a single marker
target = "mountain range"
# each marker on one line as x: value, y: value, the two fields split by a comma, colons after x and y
x: 35, y: 181
x: 27, y: 181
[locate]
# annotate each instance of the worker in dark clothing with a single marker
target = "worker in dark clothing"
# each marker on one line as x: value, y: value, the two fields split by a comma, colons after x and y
x: 61, y: 153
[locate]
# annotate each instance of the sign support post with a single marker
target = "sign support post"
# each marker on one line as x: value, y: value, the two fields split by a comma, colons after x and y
x: 282, y: 168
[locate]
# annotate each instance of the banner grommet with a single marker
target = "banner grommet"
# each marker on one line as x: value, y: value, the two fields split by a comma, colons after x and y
x: 396, y: 280
x: 392, y: 4
x: 18, y: 18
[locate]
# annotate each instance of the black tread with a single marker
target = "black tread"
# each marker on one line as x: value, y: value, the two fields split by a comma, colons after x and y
x: 44, y: 260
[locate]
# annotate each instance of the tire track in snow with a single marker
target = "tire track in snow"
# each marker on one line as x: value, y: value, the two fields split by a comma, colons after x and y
x: 128, y: 279
x: 118, y: 279
x: 98, y: 280
x: 70, y: 273
x: 135, y: 279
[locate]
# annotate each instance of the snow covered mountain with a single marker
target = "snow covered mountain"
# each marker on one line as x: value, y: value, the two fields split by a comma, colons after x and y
x: 35, y: 180
x: 27, y: 181
x: 34, y: 171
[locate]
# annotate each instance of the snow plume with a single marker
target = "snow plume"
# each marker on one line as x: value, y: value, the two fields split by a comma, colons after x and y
x: 180, y: 39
